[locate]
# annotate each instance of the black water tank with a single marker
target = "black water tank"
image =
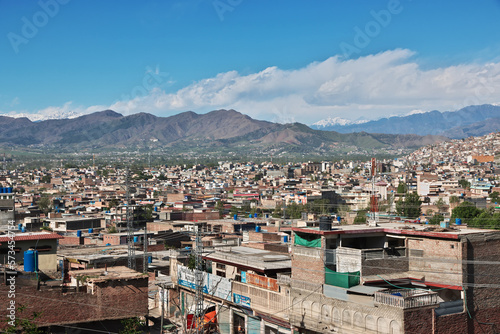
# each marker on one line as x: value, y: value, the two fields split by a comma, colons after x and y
x: 325, y: 223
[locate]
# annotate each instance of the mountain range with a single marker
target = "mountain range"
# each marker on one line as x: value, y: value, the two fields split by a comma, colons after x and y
x: 469, y: 121
x: 218, y: 129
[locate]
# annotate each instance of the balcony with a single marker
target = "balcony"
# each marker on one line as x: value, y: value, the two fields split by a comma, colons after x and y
x: 405, y: 299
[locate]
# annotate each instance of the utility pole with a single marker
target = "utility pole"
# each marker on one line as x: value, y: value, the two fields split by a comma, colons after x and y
x: 145, y: 249
x: 198, y: 274
x: 130, y: 225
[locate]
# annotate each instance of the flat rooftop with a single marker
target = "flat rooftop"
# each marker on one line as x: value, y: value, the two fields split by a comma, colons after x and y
x: 398, y: 228
x: 111, y: 273
x: 258, y: 259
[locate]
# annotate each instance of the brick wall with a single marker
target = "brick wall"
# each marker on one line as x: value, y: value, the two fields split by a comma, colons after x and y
x: 433, y: 252
x: 259, y: 236
x: 71, y: 241
x: 451, y: 324
x: 419, y: 321
x: 483, y: 251
x: 308, y: 264
x: 115, y: 299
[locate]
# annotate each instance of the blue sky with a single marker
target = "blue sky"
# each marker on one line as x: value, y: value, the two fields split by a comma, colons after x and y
x: 275, y: 60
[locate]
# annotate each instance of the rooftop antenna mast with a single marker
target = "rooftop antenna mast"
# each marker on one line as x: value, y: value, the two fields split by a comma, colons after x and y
x: 130, y: 225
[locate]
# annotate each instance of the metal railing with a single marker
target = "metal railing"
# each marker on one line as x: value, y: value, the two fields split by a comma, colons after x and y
x: 406, y: 299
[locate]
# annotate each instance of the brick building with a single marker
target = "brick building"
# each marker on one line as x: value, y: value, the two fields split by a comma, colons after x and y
x: 94, y: 296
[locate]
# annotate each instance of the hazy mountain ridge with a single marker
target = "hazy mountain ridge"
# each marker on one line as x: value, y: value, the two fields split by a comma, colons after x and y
x: 227, y: 128
x: 453, y: 124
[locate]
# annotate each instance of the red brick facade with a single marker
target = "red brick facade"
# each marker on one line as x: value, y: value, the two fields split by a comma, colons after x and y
x: 112, y: 299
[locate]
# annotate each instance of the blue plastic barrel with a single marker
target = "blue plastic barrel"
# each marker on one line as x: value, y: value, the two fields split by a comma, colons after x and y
x: 2, y: 190
x: 19, y: 226
x: 136, y: 239
x: 267, y: 215
x: 255, y: 215
x: 257, y: 228
x: 285, y: 239
x: 30, y: 261
x: 91, y: 230
x: 23, y: 229
x: 78, y: 233
x: 9, y: 190
x: 235, y: 217
x: 150, y: 259
x: 458, y: 221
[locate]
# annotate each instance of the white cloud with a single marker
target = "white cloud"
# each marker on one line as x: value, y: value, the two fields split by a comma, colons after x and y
x: 374, y: 86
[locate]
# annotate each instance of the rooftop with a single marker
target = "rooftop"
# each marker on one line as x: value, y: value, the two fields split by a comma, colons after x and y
x: 111, y: 273
x: 19, y: 236
x: 257, y: 259
x: 397, y: 228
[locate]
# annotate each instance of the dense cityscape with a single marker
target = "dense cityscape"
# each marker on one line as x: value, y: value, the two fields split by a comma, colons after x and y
x: 242, y: 247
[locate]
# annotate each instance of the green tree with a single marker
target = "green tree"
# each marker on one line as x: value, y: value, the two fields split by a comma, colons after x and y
x: 46, y: 179
x: 410, y: 206
x: 440, y: 204
x: 113, y: 203
x: 464, y: 183
x: 219, y: 206
x: 360, y: 217
x: 45, y: 204
x: 494, y: 196
x: 23, y: 324
x: 278, y: 212
x: 402, y: 189
x: 131, y: 326
x: 486, y: 219
x: 465, y: 211
x: 454, y: 199
x: 436, y: 219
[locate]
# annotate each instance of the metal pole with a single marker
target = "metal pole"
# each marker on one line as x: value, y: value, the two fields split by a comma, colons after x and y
x: 162, y: 303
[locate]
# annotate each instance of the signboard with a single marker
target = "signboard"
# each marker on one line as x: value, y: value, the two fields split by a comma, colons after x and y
x: 243, y: 276
x: 241, y: 300
x: 263, y: 282
x: 213, y: 285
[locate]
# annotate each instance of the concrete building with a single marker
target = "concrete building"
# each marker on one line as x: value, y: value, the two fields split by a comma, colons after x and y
x: 7, y: 207
x: 73, y: 223
x: 43, y: 242
x: 394, y: 279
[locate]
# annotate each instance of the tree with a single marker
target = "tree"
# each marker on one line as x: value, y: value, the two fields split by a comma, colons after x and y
x: 360, y: 217
x: 131, y: 326
x: 465, y: 211
x: 410, y: 206
x: 46, y: 179
x: 45, y: 204
x: 24, y: 324
x: 494, y: 196
x: 220, y: 207
x: 114, y: 202
x: 464, y: 183
x: 402, y: 189
x: 454, y: 199
x: 486, y: 219
x: 440, y: 204
x: 436, y: 219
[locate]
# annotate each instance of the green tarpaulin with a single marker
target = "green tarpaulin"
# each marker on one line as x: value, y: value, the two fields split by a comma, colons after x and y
x: 308, y: 240
x: 343, y: 280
